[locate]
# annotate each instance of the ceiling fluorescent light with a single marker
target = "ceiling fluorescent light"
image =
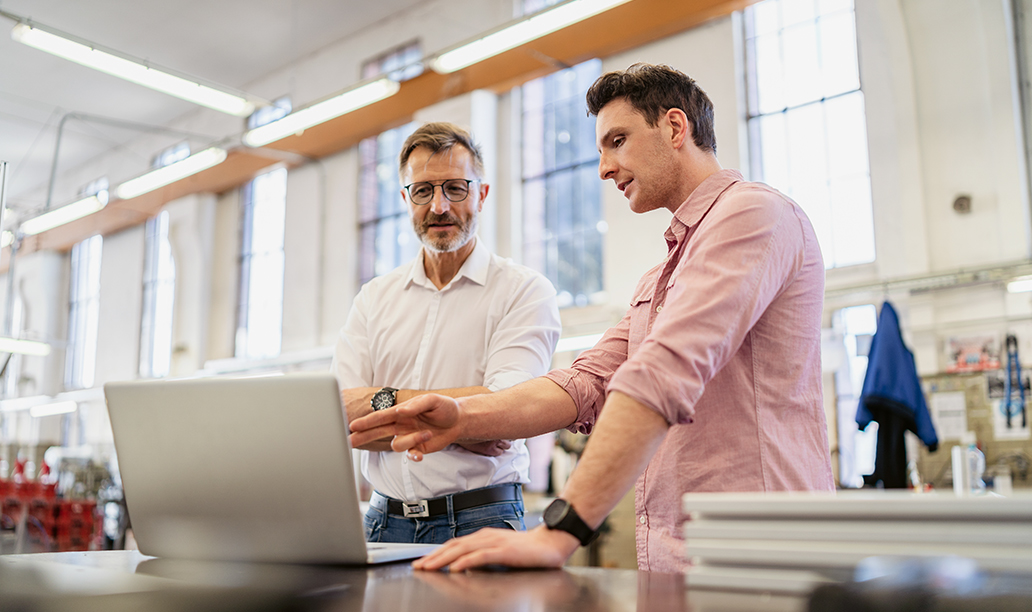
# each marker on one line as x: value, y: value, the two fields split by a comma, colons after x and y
x: 6, y: 238
x: 65, y: 214
x: 299, y: 121
x: 131, y: 69
x: 171, y: 173
x: 24, y: 347
x: 1020, y: 284
x: 43, y: 410
x: 523, y: 31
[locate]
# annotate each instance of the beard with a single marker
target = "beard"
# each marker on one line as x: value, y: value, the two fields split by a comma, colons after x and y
x: 445, y: 244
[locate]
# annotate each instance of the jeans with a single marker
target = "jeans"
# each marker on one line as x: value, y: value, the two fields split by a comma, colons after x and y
x: 383, y: 527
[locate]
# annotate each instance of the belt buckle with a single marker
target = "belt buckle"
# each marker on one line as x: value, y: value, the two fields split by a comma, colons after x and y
x: 415, y: 509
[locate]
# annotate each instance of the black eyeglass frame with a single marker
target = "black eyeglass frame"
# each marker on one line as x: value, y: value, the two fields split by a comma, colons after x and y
x: 441, y: 184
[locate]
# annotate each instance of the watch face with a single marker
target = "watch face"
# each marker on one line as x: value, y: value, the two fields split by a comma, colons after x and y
x: 382, y: 399
x: 555, y: 512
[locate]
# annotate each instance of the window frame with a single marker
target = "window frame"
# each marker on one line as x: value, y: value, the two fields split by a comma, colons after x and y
x: 540, y: 115
x: 159, y: 281
x: 381, y: 226
x: 83, y: 313
x: 837, y: 188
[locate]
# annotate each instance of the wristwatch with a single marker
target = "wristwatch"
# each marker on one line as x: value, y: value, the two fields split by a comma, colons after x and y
x: 561, y: 515
x: 384, y: 398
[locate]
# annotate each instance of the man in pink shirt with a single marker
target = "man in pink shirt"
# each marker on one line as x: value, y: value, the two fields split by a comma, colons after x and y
x: 712, y: 380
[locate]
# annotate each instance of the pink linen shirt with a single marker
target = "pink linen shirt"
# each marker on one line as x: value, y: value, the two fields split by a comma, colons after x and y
x: 723, y: 340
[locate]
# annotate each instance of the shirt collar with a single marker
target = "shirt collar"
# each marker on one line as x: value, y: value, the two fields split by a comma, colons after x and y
x: 475, y: 268
x: 700, y: 201
x: 691, y: 211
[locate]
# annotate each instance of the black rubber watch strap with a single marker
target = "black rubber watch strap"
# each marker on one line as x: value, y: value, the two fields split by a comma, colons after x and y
x: 561, y: 516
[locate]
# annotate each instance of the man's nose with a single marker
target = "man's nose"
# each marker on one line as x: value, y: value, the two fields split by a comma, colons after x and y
x: 440, y: 204
x: 606, y: 167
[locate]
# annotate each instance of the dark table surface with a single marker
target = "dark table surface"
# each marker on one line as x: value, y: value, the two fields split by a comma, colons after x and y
x: 112, y: 581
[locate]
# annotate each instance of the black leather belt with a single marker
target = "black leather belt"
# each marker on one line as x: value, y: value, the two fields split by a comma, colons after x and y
x: 439, y: 505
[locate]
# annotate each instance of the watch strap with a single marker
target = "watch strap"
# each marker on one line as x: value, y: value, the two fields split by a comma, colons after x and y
x: 570, y: 522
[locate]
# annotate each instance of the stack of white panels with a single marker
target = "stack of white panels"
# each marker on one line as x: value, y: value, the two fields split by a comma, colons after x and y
x: 793, y: 541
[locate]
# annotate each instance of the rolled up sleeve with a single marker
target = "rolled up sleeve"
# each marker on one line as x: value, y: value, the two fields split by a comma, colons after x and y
x: 586, y: 379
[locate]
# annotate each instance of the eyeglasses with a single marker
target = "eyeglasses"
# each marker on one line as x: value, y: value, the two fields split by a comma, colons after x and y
x: 456, y: 190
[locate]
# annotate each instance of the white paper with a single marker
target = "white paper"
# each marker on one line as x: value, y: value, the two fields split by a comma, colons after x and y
x: 949, y: 413
x: 1000, y: 429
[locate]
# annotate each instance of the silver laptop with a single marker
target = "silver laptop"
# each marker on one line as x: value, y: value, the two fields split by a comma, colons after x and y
x: 242, y: 469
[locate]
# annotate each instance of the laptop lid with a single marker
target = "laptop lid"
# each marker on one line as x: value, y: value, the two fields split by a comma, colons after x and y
x: 240, y: 469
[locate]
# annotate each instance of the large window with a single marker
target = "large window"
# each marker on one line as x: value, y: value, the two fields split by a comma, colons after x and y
x: 83, y: 314
x: 159, y: 287
x: 807, y: 128
x: 562, y: 206
x: 385, y: 237
x: 259, y: 331
x: 260, y: 317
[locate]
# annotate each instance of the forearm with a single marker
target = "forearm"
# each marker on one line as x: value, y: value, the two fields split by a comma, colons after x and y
x: 626, y: 437
x: 526, y: 410
x: 406, y: 394
x: 358, y: 403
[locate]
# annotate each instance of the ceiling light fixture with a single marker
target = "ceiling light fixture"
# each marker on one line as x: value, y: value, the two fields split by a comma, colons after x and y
x: 127, y: 67
x: 521, y: 32
x: 320, y: 112
x: 65, y: 214
x: 24, y: 347
x: 6, y: 239
x: 43, y: 410
x: 171, y: 173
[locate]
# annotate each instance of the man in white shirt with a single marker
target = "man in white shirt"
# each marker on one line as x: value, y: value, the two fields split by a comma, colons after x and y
x: 458, y: 321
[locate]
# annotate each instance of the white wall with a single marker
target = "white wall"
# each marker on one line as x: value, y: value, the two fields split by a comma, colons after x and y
x: 121, y: 303
x: 191, y: 224
x: 943, y: 119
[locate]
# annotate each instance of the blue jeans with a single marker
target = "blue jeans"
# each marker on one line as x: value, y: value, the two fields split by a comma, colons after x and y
x: 383, y: 527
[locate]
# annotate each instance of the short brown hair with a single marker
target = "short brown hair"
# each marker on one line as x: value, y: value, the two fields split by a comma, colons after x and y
x: 440, y: 136
x: 653, y: 90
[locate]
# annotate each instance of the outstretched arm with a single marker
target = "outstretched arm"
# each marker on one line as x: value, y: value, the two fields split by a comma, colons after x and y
x: 431, y: 422
x: 357, y: 403
x: 626, y: 437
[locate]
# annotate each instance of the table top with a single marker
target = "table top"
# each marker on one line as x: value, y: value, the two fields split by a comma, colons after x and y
x: 126, y: 580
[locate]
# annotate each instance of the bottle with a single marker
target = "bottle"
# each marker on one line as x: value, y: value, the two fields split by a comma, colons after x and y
x: 976, y: 464
x: 968, y: 466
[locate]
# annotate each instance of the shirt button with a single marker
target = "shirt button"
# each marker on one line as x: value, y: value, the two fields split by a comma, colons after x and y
x: 642, y: 519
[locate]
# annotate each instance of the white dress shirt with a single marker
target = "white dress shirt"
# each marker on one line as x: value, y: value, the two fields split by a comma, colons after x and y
x: 494, y: 325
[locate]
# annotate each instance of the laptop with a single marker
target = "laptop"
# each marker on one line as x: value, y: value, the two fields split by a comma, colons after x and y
x: 242, y: 469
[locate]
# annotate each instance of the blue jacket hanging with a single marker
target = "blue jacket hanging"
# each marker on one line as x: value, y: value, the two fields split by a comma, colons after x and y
x: 892, y: 396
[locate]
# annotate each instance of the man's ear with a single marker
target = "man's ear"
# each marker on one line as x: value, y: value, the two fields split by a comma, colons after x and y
x: 484, y: 188
x: 680, y: 127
